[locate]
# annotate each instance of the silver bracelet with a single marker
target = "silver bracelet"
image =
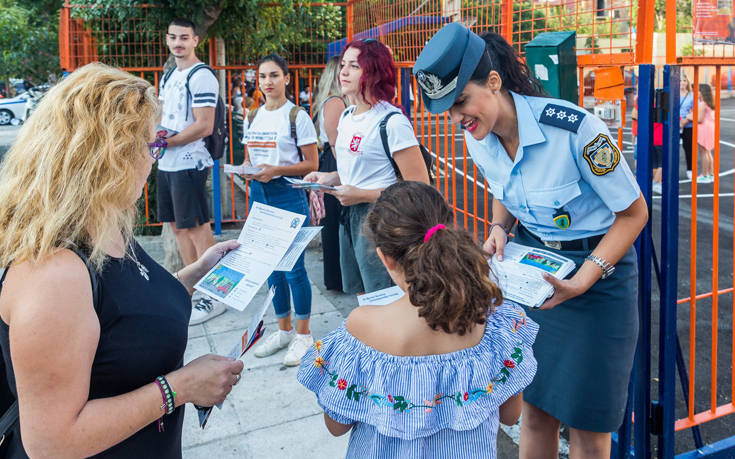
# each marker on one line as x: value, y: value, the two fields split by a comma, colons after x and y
x: 605, y: 266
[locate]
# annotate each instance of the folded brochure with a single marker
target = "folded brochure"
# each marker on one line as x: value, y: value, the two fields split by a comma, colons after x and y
x: 303, y: 184
x: 249, y: 338
x: 241, y: 169
x: 519, y: 275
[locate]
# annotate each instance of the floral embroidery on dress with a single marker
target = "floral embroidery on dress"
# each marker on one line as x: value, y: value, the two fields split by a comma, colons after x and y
x: 401, y: 404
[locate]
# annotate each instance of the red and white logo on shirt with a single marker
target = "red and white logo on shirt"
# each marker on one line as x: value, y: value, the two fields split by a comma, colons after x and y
x: 355, y: 143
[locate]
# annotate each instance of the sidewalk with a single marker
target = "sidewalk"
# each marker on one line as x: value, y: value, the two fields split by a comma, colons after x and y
x: 269, y: 414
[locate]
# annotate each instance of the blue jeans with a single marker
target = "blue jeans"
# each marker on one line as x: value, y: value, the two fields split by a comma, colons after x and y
x: 295, y: 283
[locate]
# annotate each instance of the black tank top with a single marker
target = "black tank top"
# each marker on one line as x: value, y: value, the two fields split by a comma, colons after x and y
x: 144, y: 321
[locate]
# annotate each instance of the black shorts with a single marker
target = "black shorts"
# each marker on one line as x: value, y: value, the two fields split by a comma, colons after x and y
x: 182, y: 197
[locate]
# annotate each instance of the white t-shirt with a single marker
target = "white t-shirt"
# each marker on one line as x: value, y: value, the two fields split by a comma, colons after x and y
x: 361, y: 159
x: 204, y: 92
x: 269, y: 138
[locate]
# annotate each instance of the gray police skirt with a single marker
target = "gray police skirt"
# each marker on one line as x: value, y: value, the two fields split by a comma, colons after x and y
x: 585, y: 348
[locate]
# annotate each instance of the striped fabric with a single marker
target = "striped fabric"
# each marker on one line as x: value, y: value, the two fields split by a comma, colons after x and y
x: 203, y: 98
x: 425, y: 406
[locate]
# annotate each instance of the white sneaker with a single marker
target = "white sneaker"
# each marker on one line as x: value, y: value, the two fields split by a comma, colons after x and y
x: 274, y: 343
x: 204, y: 309
x: 657, y: 187
x: 689, y: 175
x: 297, y: 349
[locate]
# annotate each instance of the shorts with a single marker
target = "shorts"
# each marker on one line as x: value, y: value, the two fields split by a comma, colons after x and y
x: 362, y: 270
x: 182, y: 197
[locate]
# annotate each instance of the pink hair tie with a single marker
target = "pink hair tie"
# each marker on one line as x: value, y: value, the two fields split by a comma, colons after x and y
x: 433, y: 230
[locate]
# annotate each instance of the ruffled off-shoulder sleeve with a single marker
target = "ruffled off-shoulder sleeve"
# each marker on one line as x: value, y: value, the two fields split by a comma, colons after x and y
x: 411, y: 397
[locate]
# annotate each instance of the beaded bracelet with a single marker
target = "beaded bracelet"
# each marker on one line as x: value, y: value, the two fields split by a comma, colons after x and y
x: 168, y: 396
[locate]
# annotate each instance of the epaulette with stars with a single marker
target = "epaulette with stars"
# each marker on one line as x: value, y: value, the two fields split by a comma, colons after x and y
x: 562, y: 117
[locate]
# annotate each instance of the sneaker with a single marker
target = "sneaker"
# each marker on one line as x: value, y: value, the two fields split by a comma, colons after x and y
x: 689, y: 175
x: 204, y: 309
x: 657, y: 188
x: 274, y: 343
x: 297, y: 349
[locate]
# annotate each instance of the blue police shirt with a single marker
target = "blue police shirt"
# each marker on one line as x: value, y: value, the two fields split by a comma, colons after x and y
x: 568, y: 178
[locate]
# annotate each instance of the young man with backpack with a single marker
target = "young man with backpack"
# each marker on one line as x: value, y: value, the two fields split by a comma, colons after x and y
x: 188, y: 95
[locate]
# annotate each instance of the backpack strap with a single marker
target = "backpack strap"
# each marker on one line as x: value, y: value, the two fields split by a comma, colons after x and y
x: 292, y: 119
x: 384, y: 139
x: 166, y: 76
x: 189, y: 96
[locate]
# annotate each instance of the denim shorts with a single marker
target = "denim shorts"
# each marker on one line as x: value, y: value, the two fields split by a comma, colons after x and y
x: 362, y: 270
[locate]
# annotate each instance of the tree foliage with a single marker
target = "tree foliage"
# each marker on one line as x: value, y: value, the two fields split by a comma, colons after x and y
x: 252, y: 27
x: 28, y: 40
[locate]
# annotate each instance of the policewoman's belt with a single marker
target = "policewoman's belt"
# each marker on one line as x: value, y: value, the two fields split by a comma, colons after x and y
x: 586, y: 243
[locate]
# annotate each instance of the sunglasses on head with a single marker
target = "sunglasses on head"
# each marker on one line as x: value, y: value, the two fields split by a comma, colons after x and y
x: 369, y: 40
x: 158, y: 148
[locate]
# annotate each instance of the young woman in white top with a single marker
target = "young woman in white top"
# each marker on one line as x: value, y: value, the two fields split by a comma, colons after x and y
x: 271, y: 147
x: 329, y: 106
x: 368, y: 75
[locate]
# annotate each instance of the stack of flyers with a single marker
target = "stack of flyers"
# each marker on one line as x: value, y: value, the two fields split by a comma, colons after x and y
x: 241, y: 169
x: 164, y: 132
x: 304, y: 185
x: 249, y: 338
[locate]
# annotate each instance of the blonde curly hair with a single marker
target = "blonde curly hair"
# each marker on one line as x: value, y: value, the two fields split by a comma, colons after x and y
x: 69, y: 178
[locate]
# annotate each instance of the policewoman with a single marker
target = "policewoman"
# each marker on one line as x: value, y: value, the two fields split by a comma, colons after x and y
x: 553, y: 167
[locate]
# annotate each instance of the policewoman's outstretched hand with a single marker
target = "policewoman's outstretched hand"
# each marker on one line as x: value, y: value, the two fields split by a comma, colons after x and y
x: 564, y: 289
x: 496, y: 242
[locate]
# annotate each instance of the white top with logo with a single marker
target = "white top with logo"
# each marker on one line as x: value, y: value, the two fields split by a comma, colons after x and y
x: 204, y: 92
x: 269, y: 138
x: 361, y: 159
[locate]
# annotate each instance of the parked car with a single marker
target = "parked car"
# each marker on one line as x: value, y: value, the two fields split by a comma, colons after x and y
x: 13, y: 108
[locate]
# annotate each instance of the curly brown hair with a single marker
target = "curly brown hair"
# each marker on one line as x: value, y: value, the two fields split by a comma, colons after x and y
x: 448, y: 276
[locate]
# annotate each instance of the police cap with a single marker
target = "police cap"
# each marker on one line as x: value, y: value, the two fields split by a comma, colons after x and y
x: 446, y: 64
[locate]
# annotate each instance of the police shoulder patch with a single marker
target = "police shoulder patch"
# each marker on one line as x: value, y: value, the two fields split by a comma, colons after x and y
x: 562, y: 117
x: 601, y: 155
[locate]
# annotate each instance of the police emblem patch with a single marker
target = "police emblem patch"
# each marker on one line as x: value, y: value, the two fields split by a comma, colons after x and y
x: 601, y: 155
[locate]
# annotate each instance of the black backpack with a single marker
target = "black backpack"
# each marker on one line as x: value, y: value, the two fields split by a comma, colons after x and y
x: 217, y: 140
x: 425, y: 153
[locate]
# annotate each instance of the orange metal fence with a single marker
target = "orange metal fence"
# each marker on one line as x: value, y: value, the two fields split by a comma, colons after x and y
x: 719, y: 404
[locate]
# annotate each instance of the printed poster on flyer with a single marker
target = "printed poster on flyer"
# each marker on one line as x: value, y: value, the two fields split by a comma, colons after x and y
x: 713, y: 21
x: 264, y: 240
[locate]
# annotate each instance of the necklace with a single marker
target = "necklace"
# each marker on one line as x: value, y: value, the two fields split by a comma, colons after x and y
x: 142, y: 269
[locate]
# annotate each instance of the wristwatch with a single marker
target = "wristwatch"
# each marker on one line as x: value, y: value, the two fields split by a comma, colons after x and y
x: 605, y: 266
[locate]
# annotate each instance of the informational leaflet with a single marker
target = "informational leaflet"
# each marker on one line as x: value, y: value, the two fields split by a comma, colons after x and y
x: 164, y: 132
x: 381, y: 297
x: 304, y: 185
x: 520, y: 273
x: 265, y: 238
x: 251, y: 335
x: 304, y: 236
x: 241, y: 169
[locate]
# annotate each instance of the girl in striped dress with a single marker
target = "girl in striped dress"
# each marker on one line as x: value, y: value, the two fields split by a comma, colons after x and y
x: 432, y: 374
